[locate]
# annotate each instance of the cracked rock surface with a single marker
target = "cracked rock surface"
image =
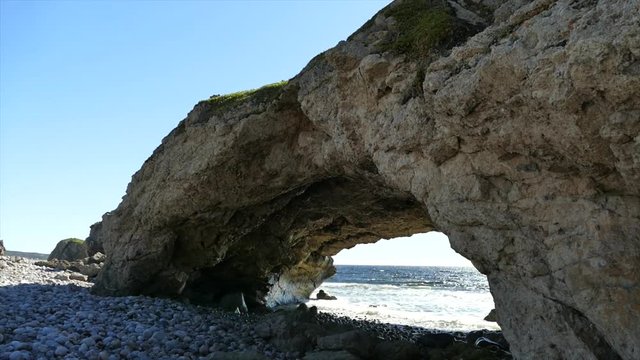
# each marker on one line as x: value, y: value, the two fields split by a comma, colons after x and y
x: 516, y: 134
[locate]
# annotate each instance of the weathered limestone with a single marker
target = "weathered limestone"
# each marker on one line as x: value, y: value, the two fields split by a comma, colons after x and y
x: 69, y: 249
x: 94, y: 245
x: 521, y: 143
x: 295, y: 284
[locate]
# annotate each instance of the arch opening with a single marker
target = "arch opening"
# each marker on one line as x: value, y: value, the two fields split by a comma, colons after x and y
x: 289, y: 256
x: 285, y: 257
x: 418, y: 281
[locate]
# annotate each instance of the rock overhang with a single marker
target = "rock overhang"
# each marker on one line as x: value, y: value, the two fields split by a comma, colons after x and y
x: 520, y: 144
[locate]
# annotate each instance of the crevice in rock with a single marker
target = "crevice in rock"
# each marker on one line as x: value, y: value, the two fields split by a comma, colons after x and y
x: 587, y: 332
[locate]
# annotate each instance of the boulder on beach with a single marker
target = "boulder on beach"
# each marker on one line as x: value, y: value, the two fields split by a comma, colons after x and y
x: 484, y: 342
x: 324, y: 296
x: 487, y: 338
x: 69, y: 249
x: 78, y: 277
x: 436, y: 340
x: 2, y: 249
x: 96, y: 258
x: 89, y: 266
x: 397, y: 350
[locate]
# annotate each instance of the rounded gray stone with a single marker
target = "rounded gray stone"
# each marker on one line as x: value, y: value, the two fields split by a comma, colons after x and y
x: 61, y: 351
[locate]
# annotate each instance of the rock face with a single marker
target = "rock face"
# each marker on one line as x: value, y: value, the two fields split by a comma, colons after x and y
x: 296, y: 284
x: 2, y: 249
x: 94, y: 246
x: 511, y: 126
x: 69, y: 250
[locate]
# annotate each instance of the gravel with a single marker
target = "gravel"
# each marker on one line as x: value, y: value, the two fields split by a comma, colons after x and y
x: 50, y: 314
x: 46, y: 314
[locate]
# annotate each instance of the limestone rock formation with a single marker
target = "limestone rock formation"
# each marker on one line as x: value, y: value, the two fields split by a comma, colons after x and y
x: 89, y: 266
x: 295, y: 284
x: 94, y: 245
x: 511, y: 126
x: 69, y: 249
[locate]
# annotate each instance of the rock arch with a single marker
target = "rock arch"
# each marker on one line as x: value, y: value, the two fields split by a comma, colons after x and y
x: 521, y: 144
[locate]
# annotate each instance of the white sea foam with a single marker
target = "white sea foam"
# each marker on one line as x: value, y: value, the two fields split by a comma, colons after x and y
x: 434, y: 306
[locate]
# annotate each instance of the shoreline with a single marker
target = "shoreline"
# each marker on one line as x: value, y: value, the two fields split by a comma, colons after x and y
x: 376, y: 319
x: 436, y: 297
x: 48, y: 316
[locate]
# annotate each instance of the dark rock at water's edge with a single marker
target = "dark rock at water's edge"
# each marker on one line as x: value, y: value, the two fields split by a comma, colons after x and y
x: 436, y: 340
x: 511, y: 126
x: 71, y: 249
x: 487, y: 338
x: 324, y: 296
x: 308, y: 334
x: 2, y: 249
x: 491, y: 316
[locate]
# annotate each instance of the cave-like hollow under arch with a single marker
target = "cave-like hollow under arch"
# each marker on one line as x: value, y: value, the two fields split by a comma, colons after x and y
x: 289, y: 255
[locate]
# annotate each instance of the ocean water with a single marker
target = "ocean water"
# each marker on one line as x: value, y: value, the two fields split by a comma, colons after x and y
x: 444, y: 298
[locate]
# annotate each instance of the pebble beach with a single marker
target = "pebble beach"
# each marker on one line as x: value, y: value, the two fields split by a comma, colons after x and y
x: 45, y: 315
x: 50, y: 314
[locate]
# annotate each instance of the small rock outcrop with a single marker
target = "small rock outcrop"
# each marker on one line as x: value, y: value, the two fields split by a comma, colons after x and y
x: 69, y: 250
x: 88, y: 267
x: 511, y: 126
x: 94, y: 245
x: 2, y: 249
x: 324, y: 296
x: 491, y: 316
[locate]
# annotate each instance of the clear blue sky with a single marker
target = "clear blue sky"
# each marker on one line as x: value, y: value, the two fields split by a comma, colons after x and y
x: 89, y: 89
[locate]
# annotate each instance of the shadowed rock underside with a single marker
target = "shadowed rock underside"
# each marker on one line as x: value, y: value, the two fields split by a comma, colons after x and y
x: 511, y: 126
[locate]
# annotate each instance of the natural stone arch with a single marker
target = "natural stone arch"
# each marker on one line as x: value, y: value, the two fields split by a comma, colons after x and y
x: 289, y: 255
x: 521, y: 144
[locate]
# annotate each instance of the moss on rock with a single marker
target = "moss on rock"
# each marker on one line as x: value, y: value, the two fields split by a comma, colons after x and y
x: 263, y: 94
x: 74, y: 240
x: 422, y: 25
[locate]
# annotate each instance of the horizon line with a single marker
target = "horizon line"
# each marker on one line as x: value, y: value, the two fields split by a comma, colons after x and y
x: 408, y: 265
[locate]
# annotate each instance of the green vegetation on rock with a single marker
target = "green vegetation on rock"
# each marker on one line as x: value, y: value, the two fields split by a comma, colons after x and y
x: 74, y: 240
x: 260, y: 95
x: 69, y: 249
x: 422, y: 25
